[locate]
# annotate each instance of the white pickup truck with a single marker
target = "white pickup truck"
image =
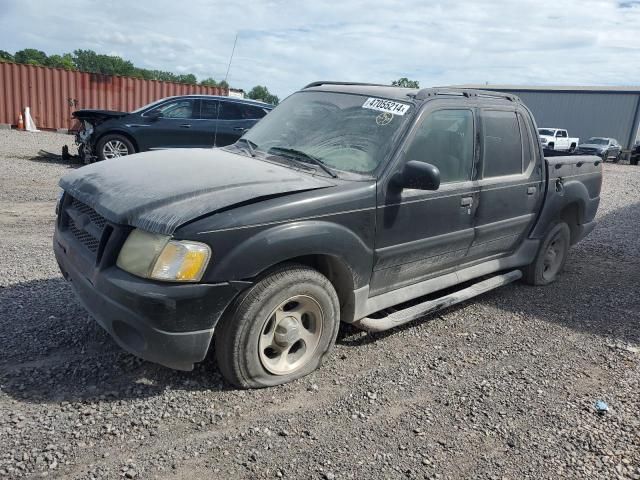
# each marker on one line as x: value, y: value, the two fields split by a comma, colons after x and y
x: 557, y: 139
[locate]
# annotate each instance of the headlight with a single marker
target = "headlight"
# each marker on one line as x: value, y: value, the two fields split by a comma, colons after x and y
x: 543, y: 140
x: 154, y: 256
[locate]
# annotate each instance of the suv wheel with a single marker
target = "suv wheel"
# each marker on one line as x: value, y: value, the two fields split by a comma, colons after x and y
x: 551, y: 256
x: 279, y: 330
x: 114, y: 146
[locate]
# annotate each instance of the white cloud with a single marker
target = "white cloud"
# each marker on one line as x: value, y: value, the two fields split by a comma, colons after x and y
x: 285, y: 45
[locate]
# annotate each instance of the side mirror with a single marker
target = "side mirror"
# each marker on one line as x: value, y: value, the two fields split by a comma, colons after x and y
x: 419, y: 175
x: 155, y: 114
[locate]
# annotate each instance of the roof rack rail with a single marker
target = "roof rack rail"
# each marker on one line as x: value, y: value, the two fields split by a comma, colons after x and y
x: 329, y: 82
x: 430, y: 92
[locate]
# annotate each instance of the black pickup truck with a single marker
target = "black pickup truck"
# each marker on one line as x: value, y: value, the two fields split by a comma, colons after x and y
x: 346, y: 200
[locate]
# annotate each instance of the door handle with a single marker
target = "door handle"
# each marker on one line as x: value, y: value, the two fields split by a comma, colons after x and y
x: 185, y: 125
x: 531, y: 190
x: 466, y: 201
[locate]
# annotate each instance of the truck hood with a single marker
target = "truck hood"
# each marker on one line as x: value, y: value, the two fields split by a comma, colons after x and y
x: 159, y: 191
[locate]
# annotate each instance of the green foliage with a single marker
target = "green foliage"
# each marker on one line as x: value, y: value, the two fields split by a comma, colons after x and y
x: 92, y: 62
x: 208, y: 82
x: 262, y: 93
x: 6, y: 57
x: 31, y: 56
x: 405, y: 82
x: 61, y: 61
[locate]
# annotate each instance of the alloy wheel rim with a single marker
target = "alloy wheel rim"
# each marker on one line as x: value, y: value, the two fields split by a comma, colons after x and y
x: 290, y: 335
x: 114, y: 149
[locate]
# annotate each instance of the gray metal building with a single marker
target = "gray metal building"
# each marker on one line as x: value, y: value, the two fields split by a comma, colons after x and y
x: 584, y: 111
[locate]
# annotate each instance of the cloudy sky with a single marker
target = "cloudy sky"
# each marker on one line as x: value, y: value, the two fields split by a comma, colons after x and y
x: 285, y: 45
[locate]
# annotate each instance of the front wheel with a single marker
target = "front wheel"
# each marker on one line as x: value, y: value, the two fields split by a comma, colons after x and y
x: 114, y: 146
x: 279, y: 330
x: 551, y: 256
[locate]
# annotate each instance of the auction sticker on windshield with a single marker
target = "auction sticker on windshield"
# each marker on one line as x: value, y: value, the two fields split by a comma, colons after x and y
x: 388, y: 106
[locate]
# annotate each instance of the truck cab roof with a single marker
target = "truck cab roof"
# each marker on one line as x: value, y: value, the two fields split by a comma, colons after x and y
x: 405, y: 94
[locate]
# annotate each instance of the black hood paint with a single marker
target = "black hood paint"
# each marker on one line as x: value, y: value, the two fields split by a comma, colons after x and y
x: 159, y: 191
x: 93, y: 115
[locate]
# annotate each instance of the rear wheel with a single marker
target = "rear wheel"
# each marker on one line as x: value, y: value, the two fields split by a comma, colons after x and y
x: 114, y: 146
x: 551, y: 256
x: 279, y: 330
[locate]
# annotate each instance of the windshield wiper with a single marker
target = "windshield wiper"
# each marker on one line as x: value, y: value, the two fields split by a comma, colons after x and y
x: 304, y: 157
x: 250, y: 146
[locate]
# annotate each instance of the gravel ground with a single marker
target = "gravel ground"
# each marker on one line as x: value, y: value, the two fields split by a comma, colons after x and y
x: 501, y: 387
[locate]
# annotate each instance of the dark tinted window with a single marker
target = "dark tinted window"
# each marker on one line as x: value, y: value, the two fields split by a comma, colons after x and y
x: 445, y: 139
x: 502, y: 144
x: 209, y: 109
x: 230, y: 111
x: 250, y: 112
x: 178, y: 109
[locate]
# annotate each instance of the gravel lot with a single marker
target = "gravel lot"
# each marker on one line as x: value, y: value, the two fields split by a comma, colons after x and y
x: 501, y: 387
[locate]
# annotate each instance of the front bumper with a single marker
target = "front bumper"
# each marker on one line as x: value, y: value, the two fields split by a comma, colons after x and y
x: 169, y: 324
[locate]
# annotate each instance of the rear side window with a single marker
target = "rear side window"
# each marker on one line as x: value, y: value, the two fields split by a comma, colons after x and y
x: 209, y: 109
x: 249, y: 112
x: 230, y: 111
x: 445, y: 139
x: 502, y: 152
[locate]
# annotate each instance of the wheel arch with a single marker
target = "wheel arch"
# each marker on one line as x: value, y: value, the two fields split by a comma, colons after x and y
x: 116, y: 131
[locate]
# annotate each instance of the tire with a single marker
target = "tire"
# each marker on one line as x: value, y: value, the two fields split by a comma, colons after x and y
x: 551, y: 146
x: 258, y: 345
x: 572, y: 148
x: 616, y: 159
x: 634, y: 159
x: 114, y: 145
x: 546, y: 266
x: 605, y: 156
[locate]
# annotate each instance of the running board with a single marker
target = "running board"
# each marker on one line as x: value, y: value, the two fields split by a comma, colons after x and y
x: 409, y: 314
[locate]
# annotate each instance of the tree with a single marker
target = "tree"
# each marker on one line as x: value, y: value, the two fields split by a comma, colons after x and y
x: 223, y: 84
x: 31, y: 56
x: 405, y: 82
x: 262, y: 93
x: 90, y: 61
x: 61, y: 61
x: 209, y: 82
x: 6, y: 57
x: 189, y: 78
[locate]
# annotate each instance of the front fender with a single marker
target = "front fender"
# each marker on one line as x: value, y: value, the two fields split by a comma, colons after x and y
x: 296, y: 239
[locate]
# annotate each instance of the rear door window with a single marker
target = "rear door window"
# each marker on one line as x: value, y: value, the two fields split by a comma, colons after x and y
x: 230, y: 111
x: 502, y: 144
x: 250, y: 112
x: 209, y: 109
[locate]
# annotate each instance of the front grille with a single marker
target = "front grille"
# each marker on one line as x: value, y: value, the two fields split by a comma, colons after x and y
x: 85, y: 224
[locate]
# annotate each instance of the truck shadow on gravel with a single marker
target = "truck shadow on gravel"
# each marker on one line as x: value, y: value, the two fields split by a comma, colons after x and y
x: 53, y: 351
x: 596, y: 294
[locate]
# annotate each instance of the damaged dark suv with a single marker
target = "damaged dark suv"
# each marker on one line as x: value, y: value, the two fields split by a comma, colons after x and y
x: 342, y: 205
x: 188, y: 121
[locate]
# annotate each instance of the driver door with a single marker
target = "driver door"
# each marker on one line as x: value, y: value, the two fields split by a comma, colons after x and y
x: 177, y: 127
x: 421, y: 234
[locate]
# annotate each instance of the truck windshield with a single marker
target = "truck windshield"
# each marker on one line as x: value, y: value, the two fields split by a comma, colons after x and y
x: 598, y: 141
x: 546, y: 131
x: 346, y: 132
